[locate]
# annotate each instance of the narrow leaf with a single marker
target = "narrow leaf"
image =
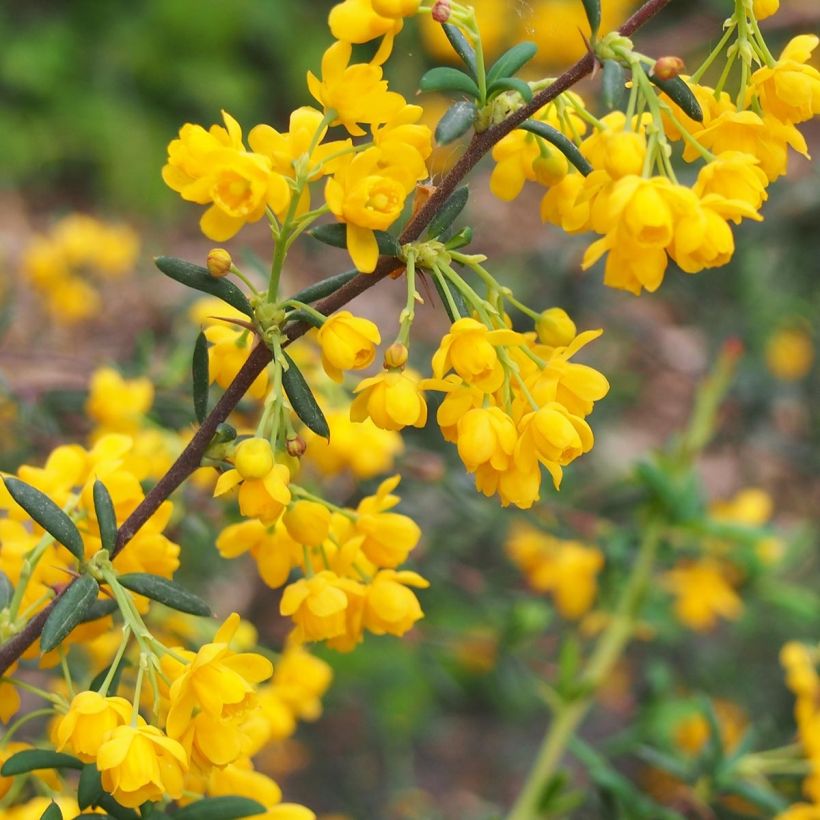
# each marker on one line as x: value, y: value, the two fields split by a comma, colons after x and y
x: 444, y: 79
x: 304, y: 316
x: 220, y: 808
x: 462, y: 47
x: 6, y: 590
x: 89, y: 789
x: 459, y: 240
x: 52, y: 812
x: 320, y: 290
x: 565, y: 145
x: 106, y: 516
x: 456, y: 299
x: 100, y: 609
x: 200, y: 375
x: 69, y: 611
x: 511, y: 84
x: 679, y: 92
x: 511, y: 61
x: 593, y: 10
x: 198, y: 278
x: 760, y: 796
x: 115, y: 810
x: 458, y: 119
x: 224, y: 432
x: 30, y: 760
x: 47, y: 514
x: 612, y: 84
x: 448, y: 212
x: 302, y: 399
x: 166, y: 592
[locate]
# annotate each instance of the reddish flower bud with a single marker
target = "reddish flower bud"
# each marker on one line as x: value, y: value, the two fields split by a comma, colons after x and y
x: 667, y: 68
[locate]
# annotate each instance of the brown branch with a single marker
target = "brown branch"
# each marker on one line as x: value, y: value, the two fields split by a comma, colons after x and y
x: 191, y: 456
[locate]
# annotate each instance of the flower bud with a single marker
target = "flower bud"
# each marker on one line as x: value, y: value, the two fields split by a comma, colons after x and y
x: 395, y: 357
x: 296, y: 446
x: 219, y: 263
x: 254, y: 458
x: 441, y: 11
x: 667, y: 68
x: 555, y: 328
x: 307, y: 522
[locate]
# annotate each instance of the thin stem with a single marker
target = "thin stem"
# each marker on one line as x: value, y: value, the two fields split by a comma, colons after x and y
x: 409, y: 312
x: 126, y: 634
x: 7, y: 735
x: 716, y: 51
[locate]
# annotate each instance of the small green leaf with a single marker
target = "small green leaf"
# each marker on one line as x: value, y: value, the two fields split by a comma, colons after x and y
x: 101, y: 608
x: 462, y: 47
x: 456, y: 299
x: 6, y: 590
x: 679, y: 92
x: 30, y: 760
x: 458, y: 119
x: 166, y: 592
x: 52, y: 812
x: 445, y: 79
x: 593, y: 10
x: 320, y: 290
x: 224, y: 433
x: 511, y: 61
x: 47, y: 514
x: 459, y: 240
x: 304, y: 316
x: 510, y: 84
x: 198, y: 278
x: 106, y: 516
x: 302, y: 399
x: 201, y: 378
x: 89, y: 789
x: 69, y: 611
x: 613, y: 84
x: 335, y: 234
x: 565, y: 145
x: 448, y: 212
x: 220, y: 808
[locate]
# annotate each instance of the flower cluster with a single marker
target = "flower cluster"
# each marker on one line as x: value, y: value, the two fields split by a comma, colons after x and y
x: 59, y: 264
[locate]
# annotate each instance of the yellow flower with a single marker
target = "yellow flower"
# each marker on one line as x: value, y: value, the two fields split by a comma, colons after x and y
x: 307, y: 522
x: 392, y: 399
x: 692, y: 733
x: 240, y: 779
x: 702, y: 594
x: 552, y: 434
x: 765, y: 8
x: 89, y: 722
x: 562, y: 206
x: 521, y: 156
x: 733, y: 175
x: 357, y: 21
x: 486, y: 436
x: 118, y: 404
x: 300, y: 680
x: 555, y: 328
x: 347, y: 342
x: 229, y: 349
x: 459, y: 398
x: 615, y: 149
x: 356, y: 93
x: 789, y: 354
x: 318, y: 606
x: 470, y: 349
x: 140, y: 763
x: 391, y: 608
x: 396, y: 8
x: 272, y: 547
x: 790, y: 89
x: 519, y: 484
x: 389, y: 537
x: 264, y: 490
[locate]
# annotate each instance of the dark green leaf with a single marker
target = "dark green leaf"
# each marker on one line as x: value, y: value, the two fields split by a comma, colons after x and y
x: 448, y: 212
x: 679, y: 92
x: 456, y: 299
x: 593, y: 10
x: 69, y: 611
x: 510, y: 84
x: 166, y: 592
x: 444, y: 79
x: 462, y: 47
x: 198, y: 278
x: 224, y: 433
x: 459, y: 240
x: 320, y: 290
x: 511, y: 61
x: 220, y: 808
x: 457, y: 120
x: 100, y: 609
x: 106, y: 517
x: 30, y: 760
x: 201, y: 381
x: 304, y: 316
x: 99, y: 679
x: 117, y: 811
x: 613, y: 84
x: 335, y: 234
x: 302, y: 399
x: 89, y: 789
x: 6, y: 590
x: 47, y: 514
x: 52, y: 812
x: 565, y: 145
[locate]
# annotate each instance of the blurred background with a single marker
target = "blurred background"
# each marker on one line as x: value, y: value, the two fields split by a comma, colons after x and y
x: 441, y: 724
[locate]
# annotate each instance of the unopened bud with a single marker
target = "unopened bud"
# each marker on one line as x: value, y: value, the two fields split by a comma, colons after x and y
x: 555, y: 328
x: 219, y: 263
x: 733, y: 348
x: 296, y: 446
x: 667, y: 68
x: 441, y: 11
x: 395, y: 356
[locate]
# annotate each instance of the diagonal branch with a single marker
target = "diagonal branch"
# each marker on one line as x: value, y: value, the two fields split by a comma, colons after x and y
x: 191, y: 457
